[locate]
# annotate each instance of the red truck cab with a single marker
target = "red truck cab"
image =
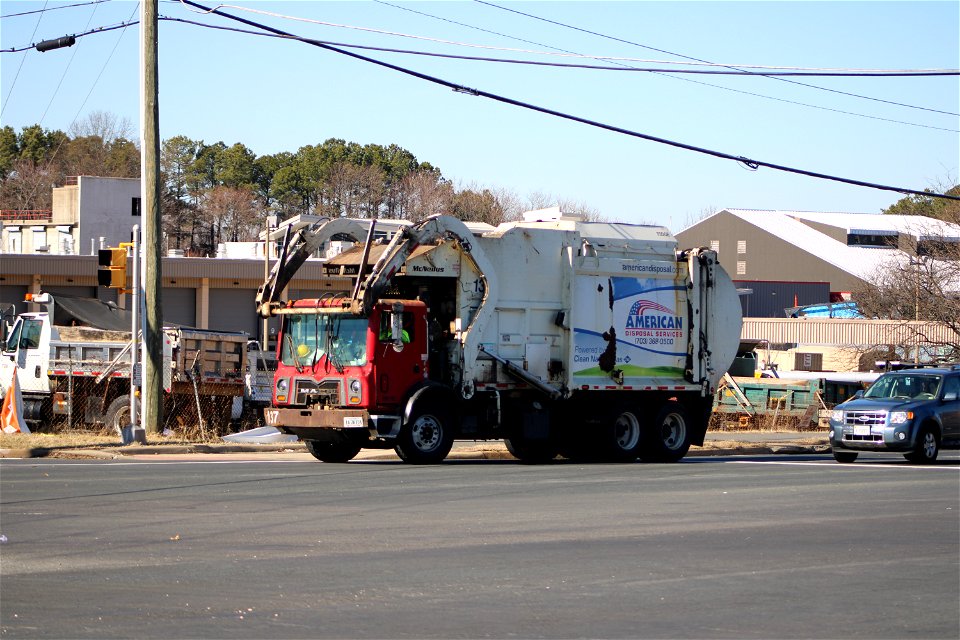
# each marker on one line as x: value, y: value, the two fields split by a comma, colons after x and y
x: 342, y: 376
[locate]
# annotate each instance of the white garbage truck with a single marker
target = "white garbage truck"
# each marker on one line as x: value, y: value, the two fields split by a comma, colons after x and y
x: 592, y: 340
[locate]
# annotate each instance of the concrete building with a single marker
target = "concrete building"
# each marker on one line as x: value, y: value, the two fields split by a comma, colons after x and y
x: 88, y: 212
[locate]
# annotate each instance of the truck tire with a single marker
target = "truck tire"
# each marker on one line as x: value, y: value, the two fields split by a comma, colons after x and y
x: 335, y: 452
x: 118, y: 415
x: 427, y: 437
x: 669, y: 438
x: 531, y: 451
x: 927, y: 447
x: 623, y: 437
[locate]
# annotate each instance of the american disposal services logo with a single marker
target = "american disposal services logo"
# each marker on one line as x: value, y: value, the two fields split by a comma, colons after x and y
x: 649, y: 314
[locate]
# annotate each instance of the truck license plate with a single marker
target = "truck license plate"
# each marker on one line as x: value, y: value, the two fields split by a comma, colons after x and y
x: 352, y: 422
x: 861, y: 430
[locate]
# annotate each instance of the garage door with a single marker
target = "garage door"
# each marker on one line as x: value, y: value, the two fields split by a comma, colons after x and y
x: 233, y: 310
x: 180, y: 306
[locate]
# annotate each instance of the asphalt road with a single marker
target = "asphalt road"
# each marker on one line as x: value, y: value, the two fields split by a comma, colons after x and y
x: 764, y: 547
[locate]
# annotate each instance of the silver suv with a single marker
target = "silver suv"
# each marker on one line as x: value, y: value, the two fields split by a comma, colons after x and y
x: 914, y: 411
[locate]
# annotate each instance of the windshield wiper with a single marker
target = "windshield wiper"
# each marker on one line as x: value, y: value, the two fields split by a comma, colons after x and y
x: 293, y: 352
x: 333, y: 346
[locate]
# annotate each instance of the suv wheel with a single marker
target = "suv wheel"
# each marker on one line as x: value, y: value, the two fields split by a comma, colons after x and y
x: 927, y: 447
x: 844, y: 456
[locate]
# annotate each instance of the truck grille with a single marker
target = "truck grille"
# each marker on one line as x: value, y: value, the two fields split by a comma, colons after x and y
x: 858, y: 418
x: 311, y: 392
x: 866, y: 420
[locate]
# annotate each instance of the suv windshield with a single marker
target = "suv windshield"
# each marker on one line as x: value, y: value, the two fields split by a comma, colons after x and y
x: 308, y: 338
x: 905, y: 387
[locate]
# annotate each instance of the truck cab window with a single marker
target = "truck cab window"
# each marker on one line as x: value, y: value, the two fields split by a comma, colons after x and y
x: 30, y: 336
x: 386, y: 319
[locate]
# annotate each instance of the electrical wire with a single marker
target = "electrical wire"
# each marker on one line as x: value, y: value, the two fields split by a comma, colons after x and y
x: 121, y: 25
x: 73, y: 54
x: 65, y: 6
x: 735, y: 69
x: 682, y: 79
x: 664, y: 73
x: 103, y: 68
x: 680, y: 55
x: 751, y: 163
x: 860, y: 73
x: 22, y: 60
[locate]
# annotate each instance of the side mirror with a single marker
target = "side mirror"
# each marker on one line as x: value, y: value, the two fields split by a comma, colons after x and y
x: 396, y: 327
x: 950, y: 396
x: 858, y: 394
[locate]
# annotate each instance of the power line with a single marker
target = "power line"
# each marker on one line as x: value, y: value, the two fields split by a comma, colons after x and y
x: 859, y: 73
x: 73, y: 55
x: 66, y: 6
x: 666, y: 73
x: 681, y: 79
x: 733, y: 69
x: 122, y: 25
x: 750, y: 163
x: 680, y: 55
x: 22, y: 60
x: 103, y: 68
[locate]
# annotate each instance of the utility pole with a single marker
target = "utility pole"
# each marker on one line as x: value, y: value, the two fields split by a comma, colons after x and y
x: 152, y: 389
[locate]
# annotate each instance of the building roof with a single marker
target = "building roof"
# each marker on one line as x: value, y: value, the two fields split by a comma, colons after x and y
x: 794, y: 227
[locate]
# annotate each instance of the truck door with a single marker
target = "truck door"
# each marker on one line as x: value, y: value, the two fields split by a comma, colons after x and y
x: 396, y: 371
x: 28, y: 348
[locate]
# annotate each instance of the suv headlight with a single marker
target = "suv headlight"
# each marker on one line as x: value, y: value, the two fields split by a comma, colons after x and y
x: 837, y: 415
x: 900, y: 417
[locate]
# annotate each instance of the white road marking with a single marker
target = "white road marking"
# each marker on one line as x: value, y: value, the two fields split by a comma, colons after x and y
x: 850, y: 465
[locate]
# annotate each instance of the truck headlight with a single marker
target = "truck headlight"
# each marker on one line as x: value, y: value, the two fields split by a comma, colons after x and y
x: 900, y: 417
x: 355, y: 389
x: 837, y: 416
x: 282, y: 386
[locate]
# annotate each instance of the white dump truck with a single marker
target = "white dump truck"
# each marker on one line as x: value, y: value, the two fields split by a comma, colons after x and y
x: 597, y: 341
x: 80, y: 376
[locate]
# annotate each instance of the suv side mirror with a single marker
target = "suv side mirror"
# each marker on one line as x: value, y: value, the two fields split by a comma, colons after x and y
x: 950, y: 396
x: 858, y: 394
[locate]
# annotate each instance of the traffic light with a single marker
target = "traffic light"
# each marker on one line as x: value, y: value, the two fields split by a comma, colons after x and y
x: 112, y: 269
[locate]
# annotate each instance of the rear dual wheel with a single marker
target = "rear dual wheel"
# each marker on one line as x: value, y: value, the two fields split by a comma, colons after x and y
x: 668, y: 439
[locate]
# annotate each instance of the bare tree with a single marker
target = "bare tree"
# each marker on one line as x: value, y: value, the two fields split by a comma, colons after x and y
x: 235, y: 212
x: 29, y: 185
x: 920, y: 283
x: 104, y: 125
x: 423, y: 194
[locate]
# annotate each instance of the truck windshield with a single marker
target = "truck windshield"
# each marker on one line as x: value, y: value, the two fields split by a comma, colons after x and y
x: 905, y: 387
x: 308, y: 338
x: 25, y: 335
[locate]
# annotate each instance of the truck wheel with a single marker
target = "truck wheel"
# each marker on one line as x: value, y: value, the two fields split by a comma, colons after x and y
x: 845, y: 457
x: 332, y: 451
x: 531, y: 451
x: 118, y: 415
x: 623, y: 437
x: 669, y: 438
x: 927, y: 448
x: 427, y: 437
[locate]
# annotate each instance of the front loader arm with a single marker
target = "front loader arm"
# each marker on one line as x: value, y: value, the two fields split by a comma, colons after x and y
x: 297, y: 247
x: 404, y: 243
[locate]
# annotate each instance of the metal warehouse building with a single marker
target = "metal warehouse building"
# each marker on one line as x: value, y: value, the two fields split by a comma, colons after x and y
x: 784, y: 259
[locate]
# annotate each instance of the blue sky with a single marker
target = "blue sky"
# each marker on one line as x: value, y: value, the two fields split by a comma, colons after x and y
x: 277, y: 95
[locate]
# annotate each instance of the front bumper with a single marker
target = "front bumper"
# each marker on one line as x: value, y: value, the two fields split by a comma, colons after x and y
x: 333, y: 425
x: 873, y: 438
